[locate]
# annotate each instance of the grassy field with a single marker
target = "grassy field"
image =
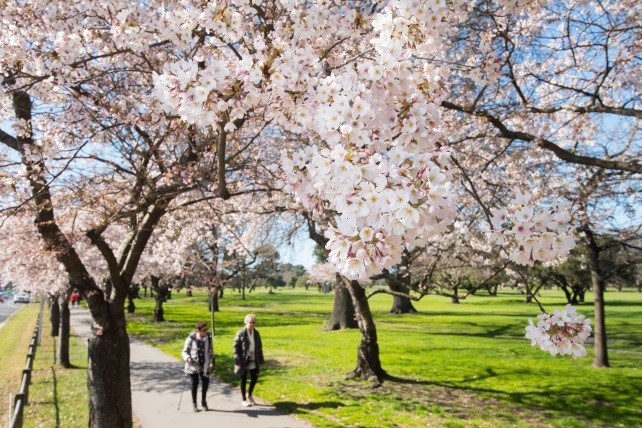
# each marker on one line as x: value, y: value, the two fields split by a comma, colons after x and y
x: 465, y: 365
x: 57, y: 396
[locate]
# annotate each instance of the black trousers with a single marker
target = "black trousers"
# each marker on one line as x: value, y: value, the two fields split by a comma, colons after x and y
x: 254, y: 375
x: 205, y: 381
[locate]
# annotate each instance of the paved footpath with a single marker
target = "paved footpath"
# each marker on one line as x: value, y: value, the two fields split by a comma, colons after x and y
x: 157, y: 379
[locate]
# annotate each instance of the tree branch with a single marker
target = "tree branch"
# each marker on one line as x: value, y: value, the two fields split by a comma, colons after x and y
x: 561, y: 153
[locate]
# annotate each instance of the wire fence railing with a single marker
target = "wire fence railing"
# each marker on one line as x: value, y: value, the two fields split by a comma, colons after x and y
x: 19, y: 401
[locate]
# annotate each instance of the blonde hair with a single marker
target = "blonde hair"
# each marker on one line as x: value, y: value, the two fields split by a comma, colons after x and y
x: 249, y: 317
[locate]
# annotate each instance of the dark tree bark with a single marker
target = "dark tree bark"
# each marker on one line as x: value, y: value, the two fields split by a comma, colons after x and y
x: 400, y: 282
x: 108, y: 374
x: 401, y: 304
x: 160, y: 289
x: 132, y: 294
x: 342, y: 316
x: 213, y: 305
x: 368, y: 363
x: 54, y: 317
x: 62, y: 350
x: 108, y: 288
x: 597, y: 281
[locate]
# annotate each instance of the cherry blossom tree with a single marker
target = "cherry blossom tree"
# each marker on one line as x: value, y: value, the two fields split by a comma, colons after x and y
x: 568, y: 82
x: 100, y: 166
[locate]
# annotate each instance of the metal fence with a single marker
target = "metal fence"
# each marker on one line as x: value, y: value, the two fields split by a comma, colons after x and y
x: 20, y: 400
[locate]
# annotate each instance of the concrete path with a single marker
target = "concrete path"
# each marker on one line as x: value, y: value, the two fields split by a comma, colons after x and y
x: 157, y: 379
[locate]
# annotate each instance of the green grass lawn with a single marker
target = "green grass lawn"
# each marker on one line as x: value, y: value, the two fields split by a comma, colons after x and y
x: 15, y: 338
x: 452, y: 365
x: 58, y: 396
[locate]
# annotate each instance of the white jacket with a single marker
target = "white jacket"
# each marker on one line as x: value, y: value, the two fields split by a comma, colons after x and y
x: 190, y: 350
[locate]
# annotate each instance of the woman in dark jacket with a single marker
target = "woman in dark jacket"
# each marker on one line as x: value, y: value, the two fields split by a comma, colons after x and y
x: 248, y: 356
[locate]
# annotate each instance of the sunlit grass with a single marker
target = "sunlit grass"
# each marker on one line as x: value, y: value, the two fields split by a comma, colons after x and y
x: 15, y: 338
x: 58, y: 396
x: 452, y: 365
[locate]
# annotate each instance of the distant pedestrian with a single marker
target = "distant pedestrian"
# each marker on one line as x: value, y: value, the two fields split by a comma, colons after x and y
x: 248, y: 356
x: 198, y: 354
x: 75, y: 298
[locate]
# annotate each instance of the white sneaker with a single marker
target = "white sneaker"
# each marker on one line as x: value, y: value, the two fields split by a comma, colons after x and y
x: 251, y: 400
x: 245, y: 403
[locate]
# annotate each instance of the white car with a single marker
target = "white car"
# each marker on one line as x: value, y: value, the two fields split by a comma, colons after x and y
x: 21, y: 298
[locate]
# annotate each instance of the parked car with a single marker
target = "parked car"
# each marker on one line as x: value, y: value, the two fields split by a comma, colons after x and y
x: 21, y: 298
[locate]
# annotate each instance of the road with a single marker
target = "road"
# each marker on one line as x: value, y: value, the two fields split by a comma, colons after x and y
x: 7, y: 308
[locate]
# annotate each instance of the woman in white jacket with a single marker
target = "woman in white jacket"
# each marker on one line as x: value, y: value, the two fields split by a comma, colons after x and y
x: 198, y: 354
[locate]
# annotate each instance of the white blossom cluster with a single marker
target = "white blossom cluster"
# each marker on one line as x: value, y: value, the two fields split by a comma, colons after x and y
x: 536, y: 234
x: 385, y: 202
x: 562, y: 333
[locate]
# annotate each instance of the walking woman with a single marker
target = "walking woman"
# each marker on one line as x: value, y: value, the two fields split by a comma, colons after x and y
x: 198, y: 354
x: 248, y: 356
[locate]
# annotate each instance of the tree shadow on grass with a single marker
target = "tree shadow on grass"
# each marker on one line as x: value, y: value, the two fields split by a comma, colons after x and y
x: 292, y: 407
x: 601, y: 408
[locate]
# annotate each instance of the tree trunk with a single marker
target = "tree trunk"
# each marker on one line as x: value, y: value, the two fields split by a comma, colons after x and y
x: 62, y: 351
x: 342, y: 316
x: 565, y: 288
x: 401, y: 304
x: 213, y: 300
x: 492, y: 290
x: 597, y: 281
x: 132, y: 294
x: 54, y: 317
x: 161, y: 292
x: 400, y: 283
x: 368, y: 364
x: 131, y: 306
x: 108, y: 375
x: 108, y: 289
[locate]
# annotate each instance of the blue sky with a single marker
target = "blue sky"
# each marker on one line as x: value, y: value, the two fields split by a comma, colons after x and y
x: 299, y: 252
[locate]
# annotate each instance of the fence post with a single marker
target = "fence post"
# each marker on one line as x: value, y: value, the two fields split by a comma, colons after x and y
x: 24, y: 389
x: 10, y: 412
x: 39, y: 324
x: 16, y: 421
